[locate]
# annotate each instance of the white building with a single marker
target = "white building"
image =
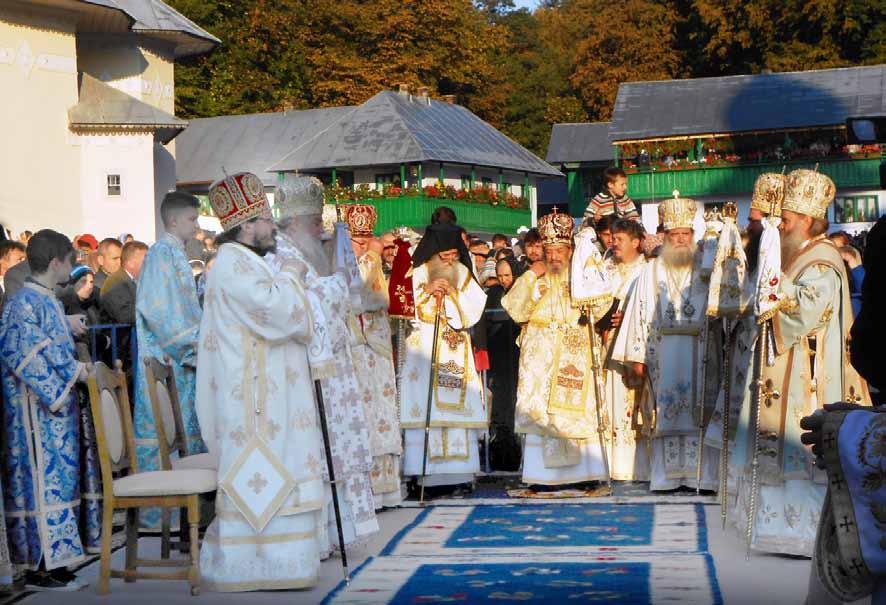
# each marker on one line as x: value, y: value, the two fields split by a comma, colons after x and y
x: 89, y: 127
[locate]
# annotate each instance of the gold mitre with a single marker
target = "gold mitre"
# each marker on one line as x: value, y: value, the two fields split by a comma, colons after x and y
x: 298, y: 196
x: 555, y: 229
x: 677, y: 212
x: 808, y: 192
x: 769, y: 193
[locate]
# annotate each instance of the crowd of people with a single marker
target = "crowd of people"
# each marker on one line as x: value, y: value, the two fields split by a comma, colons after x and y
x: 580, y: 353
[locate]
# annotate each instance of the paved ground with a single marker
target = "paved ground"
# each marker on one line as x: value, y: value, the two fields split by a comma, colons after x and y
x: 762, y: 580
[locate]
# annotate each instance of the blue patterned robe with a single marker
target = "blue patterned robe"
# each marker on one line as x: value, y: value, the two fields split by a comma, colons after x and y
x: 41, y: 419
x: 167, y: 322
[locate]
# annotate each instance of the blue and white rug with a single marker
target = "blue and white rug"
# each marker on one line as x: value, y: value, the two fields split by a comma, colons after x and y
x: 554, y: 528
x: 552, y: 579
x: 550, y: 553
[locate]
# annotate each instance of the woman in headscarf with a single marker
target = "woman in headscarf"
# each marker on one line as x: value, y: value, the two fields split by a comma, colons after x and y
x: 501, y: 339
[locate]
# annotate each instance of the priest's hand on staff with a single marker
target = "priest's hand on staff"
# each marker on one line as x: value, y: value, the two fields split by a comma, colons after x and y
x: 638, y: 370
x: 616, y: 319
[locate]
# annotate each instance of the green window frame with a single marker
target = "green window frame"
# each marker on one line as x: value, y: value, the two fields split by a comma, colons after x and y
x: 856, y: 209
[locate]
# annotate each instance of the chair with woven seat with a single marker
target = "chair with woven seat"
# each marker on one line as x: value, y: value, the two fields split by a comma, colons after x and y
x: 170, y: 427
x: 131, y: 490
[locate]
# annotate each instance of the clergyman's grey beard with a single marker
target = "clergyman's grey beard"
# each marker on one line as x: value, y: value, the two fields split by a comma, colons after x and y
x: 314, y: 252
x: 678, y: 257
x: 791, y: 242
x: 437, y: 269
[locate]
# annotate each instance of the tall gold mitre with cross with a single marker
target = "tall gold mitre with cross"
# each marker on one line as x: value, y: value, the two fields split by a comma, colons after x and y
x: 556, y: 229
x: 677, y: 212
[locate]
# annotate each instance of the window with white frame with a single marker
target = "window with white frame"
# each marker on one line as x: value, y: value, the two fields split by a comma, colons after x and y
x: 114, y: 184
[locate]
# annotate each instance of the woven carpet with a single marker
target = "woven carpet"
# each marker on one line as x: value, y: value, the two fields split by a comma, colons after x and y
x: 554, y: 553
x: 552, y: 528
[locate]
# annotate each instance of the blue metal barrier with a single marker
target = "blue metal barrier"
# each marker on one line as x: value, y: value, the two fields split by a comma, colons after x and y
x: 115, y: 329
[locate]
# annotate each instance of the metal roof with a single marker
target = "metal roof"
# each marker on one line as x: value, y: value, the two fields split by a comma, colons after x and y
x: 765, y: 102
x: 584, y: 142
x: 395, y: 128
x: 249, y: 142
x: 159, y: 20
x: 104, y: 107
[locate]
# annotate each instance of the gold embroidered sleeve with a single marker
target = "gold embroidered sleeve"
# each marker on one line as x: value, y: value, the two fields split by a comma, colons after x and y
x: 518, y: 302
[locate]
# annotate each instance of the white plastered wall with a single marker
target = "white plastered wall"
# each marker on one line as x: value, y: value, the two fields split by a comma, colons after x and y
x: 39, y: 159
x: 143, y: 69
x: 132, y: 157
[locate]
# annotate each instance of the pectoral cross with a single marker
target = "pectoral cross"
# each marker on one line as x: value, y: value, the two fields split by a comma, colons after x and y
x: 768, y: 393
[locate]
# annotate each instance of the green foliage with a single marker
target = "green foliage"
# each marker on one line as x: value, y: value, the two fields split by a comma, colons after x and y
x: 521, y: 71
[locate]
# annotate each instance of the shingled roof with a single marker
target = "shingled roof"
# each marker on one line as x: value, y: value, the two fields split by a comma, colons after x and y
x: 102, y: 106
x: 250, y: 142
x: 582, y: 142
x: 395, y: 128
x: 734, y: 104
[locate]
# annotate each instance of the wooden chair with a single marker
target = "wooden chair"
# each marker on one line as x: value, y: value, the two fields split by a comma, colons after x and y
x: 169, y: 422
x: 131, y: 490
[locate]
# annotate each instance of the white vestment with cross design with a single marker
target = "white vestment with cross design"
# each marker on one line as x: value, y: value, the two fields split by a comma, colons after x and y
x: 663, y: 328
x: 331, y: 360
x: 256, y: 410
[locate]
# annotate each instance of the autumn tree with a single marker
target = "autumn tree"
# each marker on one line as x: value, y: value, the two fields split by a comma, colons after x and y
x: 726, y: 37
x: 520, y: 70
x: 624, y: 42
x: 316, y: 53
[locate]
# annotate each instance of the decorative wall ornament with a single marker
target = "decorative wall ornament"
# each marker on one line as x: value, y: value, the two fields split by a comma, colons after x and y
x: 24, y: 59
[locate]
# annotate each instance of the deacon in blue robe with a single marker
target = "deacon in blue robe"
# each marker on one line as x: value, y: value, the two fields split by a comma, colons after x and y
x: 41, y: 417
x: 167, y: 321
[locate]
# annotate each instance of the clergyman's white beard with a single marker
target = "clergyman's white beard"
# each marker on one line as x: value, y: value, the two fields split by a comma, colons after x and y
x: 437, y: 269
x: 314, y: 253
x: 677, y: 257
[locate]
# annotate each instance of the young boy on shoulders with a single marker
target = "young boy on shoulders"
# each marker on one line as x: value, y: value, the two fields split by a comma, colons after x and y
x: 613, y: 199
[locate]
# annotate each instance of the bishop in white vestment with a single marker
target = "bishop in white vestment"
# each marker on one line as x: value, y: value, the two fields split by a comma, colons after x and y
x: 664, y: 336
x: 299, y: 204
x: 442, y: 279
x: 256, y: 407
x: 807, y: 365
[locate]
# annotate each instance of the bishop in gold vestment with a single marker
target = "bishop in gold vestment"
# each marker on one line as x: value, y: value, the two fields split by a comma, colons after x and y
x: 556, y: 403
